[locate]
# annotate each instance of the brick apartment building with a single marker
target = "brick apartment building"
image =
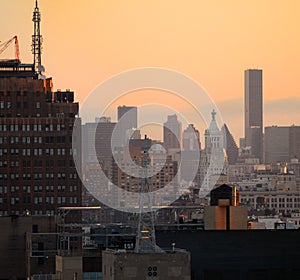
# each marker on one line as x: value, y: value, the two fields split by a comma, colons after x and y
x: 37, y: 170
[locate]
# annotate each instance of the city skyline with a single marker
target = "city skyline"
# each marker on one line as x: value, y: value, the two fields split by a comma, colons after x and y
x: 87, y: 191
x: 211, y: 50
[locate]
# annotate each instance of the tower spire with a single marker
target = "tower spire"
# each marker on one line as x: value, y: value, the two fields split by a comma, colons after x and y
x: 37, y: 40
x: 213, y: 115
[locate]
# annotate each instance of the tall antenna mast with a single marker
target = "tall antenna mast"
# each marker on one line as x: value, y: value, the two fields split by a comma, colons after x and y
x: 37, y: 40
x: 146, y: 242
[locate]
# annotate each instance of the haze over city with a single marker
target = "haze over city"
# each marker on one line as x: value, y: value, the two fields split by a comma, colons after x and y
x: 213, y: 42
x: 161, y: 142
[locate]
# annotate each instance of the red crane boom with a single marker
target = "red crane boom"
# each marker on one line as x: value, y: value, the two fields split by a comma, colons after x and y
x: 6, y: 44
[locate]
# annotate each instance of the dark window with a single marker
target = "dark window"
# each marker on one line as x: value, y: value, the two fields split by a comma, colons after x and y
x: 35, y: 228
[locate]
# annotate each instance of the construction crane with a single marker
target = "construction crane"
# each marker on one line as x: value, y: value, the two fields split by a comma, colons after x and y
x: 6, y: 44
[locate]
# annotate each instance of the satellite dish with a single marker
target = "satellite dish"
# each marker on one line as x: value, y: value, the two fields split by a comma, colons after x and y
x: 41, y: 68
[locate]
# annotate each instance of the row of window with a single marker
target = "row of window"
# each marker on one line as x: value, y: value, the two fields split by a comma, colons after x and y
x: 37, y: 176
x: 35, y: 139
x: 19, y: 93
x: 33, y: 127
x: 4, y: 189
x: 37, y: 163
x: 41, y: 200
x: 280, y: 199
x: 2, y: 105
x: 37, y: 151
x: 9, y: 105
x: 36, y: 213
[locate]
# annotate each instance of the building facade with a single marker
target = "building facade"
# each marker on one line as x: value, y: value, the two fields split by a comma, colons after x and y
x: 127, y: 123
x: 282, y: 143
x: 230, y: 145
x: 254, y: 112
x: 37, y: 170
x: 213, y: 161
x: 172, y: 133
x: 276, y: 144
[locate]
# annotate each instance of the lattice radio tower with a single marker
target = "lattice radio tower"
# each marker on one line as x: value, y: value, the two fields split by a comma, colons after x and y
x: 37, y: 40
x: 145, y: 241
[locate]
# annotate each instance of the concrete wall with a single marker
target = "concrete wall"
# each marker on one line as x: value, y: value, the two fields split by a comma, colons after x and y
x: 69, y: 267
x: 165, y: 266
x: 15, y: 260
x: 238, y: 255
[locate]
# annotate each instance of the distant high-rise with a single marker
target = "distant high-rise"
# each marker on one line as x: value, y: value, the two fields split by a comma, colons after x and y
x: 254, y: 112
x: 172, y: 133
x: 213, y: 157
x: 191, y: 148
x: 230, y: 145
x: 97, y: 139
x: 294, y: 142
x: 131, y: 115
x: 276, y: 144
x: 127, y: 118
x: 191, y: 139
x: 282, y: 143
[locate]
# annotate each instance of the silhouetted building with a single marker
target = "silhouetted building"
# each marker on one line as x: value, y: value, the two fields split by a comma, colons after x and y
x: 254, y: 112
x: 224, y: 192
x: 96, y: 138
x: 37, y: 168
x: 276, y: 144
x: 225, y: 212
x: 37, y: 171
x: 127, y: 121
x: 191, y: 149
x: 172, y: 133
x: 294, y: 143
x: 230, y: 145
x: 191, y: 139
x: 169, y: 265
x: 282, y: 143
x: 131, y: 115
x: 25, y: 249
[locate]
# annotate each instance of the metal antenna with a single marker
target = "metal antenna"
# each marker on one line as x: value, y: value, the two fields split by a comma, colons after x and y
x: 37, y: 40
x: 146, y: 242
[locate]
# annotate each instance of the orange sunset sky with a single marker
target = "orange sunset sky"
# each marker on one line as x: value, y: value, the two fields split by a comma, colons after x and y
x: 213, y: 42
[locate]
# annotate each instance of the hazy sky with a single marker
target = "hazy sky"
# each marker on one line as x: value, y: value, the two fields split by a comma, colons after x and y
x: 213, y: 42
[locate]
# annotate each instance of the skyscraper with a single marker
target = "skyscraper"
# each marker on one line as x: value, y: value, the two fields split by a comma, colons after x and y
x: 254, y: 112
x: 230, y: 145
x: 37, y: 170
x: 276, y: 144
x: 191, y: 139
x: 282, y: 143
x: 294, y: 142
x: 97, y: 141
x: 191, y: 148
x: 127, y: 121
x: 172, y: 133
